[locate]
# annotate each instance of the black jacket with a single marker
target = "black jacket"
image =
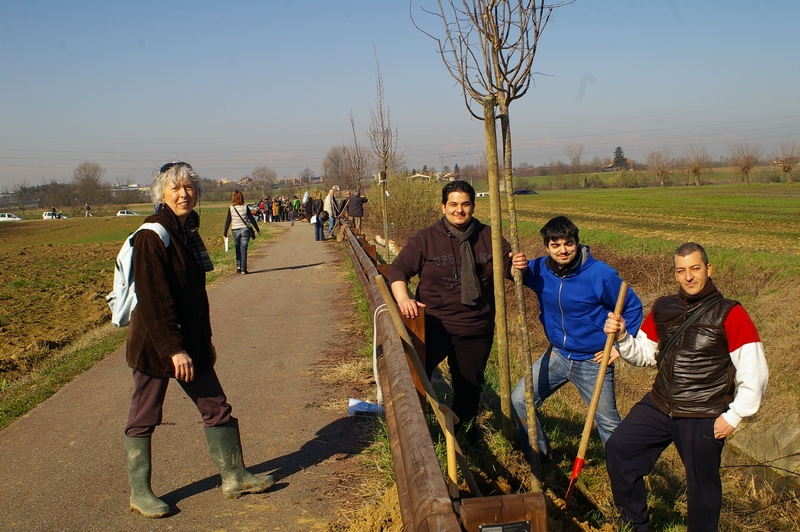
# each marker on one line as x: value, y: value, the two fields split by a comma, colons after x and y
x: 695, y: 376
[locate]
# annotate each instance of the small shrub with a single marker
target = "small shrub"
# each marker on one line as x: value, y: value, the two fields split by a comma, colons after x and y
x: 412, y: 204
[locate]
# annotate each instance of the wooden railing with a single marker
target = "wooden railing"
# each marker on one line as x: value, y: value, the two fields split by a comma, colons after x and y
x: 428, y: 501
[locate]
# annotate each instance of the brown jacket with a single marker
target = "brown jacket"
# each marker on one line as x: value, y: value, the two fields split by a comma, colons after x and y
x: 435, y: 255
x: 172, y: 312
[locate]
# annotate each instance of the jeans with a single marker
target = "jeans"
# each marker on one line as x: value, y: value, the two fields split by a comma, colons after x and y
x: 552, y: 371
x: 241, y: 237
x: 319, y: 232
x: 331, y: 225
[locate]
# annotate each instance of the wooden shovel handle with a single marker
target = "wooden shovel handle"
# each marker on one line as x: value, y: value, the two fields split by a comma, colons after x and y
x: 601, y: 373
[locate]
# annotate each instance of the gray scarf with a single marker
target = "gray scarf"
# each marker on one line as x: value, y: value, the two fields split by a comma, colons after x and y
x: 196, y: 243
x: 470, y: 284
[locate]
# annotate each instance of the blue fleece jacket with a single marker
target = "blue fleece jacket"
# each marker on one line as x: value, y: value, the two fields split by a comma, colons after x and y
x: 573, y: 308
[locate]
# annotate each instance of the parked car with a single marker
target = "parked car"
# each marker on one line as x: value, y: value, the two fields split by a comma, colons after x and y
x: 524, y: 192
x: 126, y: 212
x: 8, y: 217
x: 48, y: 215
x: 482, y: 194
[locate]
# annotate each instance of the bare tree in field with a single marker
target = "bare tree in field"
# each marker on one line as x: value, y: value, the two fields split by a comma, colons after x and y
x: 356, y: 158
x: 265, y: 177
x: 382, y: 136
x: 306, y: 174
x: 22, y: 194
x: 488, y: 47
x: 87, y: 182
x: 383, y: 139
x: 660, y: 162
x: 787, y: 155
x: 697, y: 160
x: 574, y: 152
x: 334, y: 165
x: 745, y: 156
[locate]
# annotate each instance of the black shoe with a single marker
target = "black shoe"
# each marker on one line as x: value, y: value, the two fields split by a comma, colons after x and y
x: 238, y: 270
x: 245, y: 272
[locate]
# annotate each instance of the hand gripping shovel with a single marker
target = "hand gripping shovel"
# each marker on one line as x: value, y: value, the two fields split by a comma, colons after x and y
x: 598, y: 387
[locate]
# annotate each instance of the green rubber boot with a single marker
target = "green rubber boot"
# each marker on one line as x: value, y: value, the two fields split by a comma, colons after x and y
x: 225, y: 447
x: 137, y: 451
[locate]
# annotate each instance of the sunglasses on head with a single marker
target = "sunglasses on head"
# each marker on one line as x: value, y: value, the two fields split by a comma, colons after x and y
x: 170, y: 165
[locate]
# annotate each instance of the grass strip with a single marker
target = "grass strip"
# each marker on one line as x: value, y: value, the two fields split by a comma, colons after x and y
x: 19, y: 398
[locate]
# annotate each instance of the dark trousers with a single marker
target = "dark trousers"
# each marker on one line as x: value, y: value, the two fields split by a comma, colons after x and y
x: 636, y: 444
x: 147, y: 402
x: 467, y: 357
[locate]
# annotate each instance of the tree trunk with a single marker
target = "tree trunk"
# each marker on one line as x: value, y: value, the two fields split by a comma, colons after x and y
x: 382, y: 178
x: 501, y: 320
x: 519, y: 290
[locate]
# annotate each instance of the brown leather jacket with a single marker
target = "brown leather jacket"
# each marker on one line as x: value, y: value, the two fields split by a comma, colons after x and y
x: 172, y: 312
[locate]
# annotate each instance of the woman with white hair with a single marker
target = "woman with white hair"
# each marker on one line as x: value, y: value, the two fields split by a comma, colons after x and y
x: 170, y: 337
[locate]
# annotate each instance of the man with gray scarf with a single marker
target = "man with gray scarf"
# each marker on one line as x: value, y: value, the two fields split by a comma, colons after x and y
x: 453, y: 259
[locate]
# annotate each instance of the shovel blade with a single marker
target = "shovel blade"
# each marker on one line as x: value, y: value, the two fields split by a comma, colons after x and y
x: 576, y: 471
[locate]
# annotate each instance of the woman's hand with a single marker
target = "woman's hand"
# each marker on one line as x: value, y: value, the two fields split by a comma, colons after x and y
x: 184, y: 367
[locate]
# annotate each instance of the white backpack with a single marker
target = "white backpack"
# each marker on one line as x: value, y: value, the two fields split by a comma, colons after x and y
x: 122, y: 300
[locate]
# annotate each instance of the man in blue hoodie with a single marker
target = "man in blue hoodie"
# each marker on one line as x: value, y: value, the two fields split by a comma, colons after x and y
x: 575, y: 293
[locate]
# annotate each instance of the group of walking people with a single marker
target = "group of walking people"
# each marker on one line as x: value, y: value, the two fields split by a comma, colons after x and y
x: 712, y: 372
x: 332, y: 211
x: 277, y: 209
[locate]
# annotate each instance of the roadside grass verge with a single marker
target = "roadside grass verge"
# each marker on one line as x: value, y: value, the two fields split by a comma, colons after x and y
x: 50, y: 375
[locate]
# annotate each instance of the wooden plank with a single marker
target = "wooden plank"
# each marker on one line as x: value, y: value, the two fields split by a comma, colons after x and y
x: 403, y: 495
x: 505, y: 509
x: 428, y: 494
x: 372, y: 252
x: 383, y: 269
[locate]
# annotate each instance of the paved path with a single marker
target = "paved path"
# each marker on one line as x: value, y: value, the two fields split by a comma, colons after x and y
x: 62, y: 466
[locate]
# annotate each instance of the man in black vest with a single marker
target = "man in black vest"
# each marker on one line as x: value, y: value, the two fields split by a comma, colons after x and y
x: 712, y: 373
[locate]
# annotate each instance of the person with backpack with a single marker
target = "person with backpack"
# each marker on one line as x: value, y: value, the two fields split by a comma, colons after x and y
x: 243, y: 227
x: 170, y: 337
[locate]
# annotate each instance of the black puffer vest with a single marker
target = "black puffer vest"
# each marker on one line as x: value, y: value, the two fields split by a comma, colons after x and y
x: 696, y: 376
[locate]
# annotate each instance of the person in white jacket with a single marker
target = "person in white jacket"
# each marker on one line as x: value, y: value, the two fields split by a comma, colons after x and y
x: 332, y: 209
x: 712, y: 373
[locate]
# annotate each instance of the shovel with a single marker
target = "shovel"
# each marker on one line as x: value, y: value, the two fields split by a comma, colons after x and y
x: 598, y: 387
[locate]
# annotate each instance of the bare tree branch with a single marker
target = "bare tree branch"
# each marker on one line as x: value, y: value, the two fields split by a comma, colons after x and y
x: 745, y: 156
x: 787, y: 155
x: 382, y: 138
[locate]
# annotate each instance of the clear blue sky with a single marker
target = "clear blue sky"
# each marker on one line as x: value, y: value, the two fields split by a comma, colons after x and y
x: 228, y: 86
